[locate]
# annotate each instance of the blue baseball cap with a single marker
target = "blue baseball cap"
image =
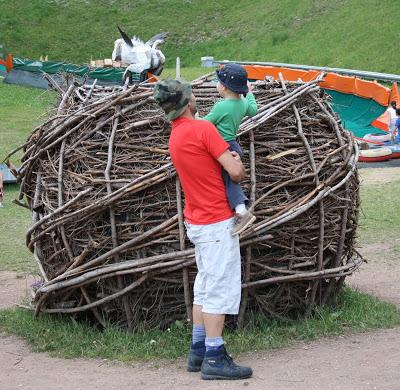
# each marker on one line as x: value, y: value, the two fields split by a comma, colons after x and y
x: 233, y: 77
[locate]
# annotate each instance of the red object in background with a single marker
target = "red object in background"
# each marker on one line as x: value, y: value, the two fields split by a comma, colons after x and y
x: 151, y: 78
x: 374, y: 159
x: 382, y: 122
x: 8, y: 63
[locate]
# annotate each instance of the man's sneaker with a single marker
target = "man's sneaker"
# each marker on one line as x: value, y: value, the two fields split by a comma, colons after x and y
x: 217, y: 364
x: 196, y: 356
x: 242, y: 222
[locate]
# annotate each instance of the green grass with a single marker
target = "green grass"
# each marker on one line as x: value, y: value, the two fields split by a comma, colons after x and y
x: 380, y: 217
x: 343, y: 33
x: 65, y: 337
x: 15, y: 220
x: 21, y: 108
x: 188, y: 74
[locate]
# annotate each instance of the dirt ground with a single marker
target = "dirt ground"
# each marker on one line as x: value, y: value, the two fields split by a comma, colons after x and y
x: 379, y: 175
x: 13, y: 288
x: 358, y: 362
x: 362, y: 362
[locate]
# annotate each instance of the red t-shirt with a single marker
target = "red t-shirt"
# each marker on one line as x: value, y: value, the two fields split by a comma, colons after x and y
x: 194, y: 146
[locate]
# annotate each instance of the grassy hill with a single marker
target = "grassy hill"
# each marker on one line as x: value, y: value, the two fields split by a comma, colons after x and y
x: 358, y: 34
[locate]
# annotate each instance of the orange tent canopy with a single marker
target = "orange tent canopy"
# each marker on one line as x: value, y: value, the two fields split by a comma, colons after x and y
x: 394, y: 95
x: 382, y: 122
x: 334, y: 81
x: 345, y: 84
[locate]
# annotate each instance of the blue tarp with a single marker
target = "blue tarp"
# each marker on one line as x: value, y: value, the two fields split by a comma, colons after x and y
x: 8, y: 177
x: 356, y: 113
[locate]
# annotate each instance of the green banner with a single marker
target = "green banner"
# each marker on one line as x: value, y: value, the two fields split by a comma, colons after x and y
x: 108, y: 74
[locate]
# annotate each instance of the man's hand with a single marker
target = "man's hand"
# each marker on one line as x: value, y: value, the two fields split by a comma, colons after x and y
x: 232, y: 163
x: 236, y: 156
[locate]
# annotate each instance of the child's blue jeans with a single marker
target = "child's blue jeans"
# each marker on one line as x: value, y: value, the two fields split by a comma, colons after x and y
x: 233, y: 190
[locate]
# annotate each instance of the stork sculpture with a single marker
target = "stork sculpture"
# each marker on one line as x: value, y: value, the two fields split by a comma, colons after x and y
x: 140, y: 56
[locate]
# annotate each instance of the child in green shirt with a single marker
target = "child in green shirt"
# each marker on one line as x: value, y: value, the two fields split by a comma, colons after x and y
x: 227, y: 115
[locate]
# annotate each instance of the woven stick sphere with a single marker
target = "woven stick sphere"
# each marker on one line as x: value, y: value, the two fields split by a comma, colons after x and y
x: 106, y: 203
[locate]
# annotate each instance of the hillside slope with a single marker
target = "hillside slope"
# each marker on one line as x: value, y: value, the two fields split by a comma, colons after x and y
x: 360, y: 34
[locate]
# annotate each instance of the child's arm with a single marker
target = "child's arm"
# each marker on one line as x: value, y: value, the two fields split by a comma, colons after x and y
x: 252, y: 107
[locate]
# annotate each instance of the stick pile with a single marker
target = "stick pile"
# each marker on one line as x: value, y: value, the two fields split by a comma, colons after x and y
x: 108, y: 230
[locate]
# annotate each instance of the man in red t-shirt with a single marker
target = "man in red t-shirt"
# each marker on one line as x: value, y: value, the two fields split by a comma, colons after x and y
x: 198, y: 153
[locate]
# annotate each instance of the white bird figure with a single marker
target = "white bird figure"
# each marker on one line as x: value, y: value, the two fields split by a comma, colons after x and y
x: 139, y: 55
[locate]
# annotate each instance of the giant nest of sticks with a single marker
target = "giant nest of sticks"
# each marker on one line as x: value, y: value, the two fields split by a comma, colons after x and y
x: 108, y: 230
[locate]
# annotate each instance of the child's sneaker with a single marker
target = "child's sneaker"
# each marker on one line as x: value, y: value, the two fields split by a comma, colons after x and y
x: 242, y: 222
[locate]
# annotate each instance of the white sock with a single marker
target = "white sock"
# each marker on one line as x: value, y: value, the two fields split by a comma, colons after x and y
x: 240, y: 208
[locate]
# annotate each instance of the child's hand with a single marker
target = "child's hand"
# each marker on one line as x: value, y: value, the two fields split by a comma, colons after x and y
x: 249, y: 86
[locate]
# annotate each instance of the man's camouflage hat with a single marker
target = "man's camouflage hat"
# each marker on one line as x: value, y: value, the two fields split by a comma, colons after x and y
x: 173, y: 96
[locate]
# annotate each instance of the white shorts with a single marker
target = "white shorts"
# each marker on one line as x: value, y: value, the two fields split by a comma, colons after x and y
x: 218, y: 281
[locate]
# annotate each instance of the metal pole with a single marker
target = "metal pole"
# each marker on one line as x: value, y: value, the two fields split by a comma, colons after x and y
x: 178, y: 68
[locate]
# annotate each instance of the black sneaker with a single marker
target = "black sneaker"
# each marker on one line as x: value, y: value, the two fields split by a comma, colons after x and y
x: 217, y: 364
x: 196, y: 356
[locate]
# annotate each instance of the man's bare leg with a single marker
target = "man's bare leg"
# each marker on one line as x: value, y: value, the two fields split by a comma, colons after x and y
x: 214, y: 324
x: 198, y: 315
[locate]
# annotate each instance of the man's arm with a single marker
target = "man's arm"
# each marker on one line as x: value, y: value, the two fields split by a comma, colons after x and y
x: 218, y: 149
x: 233, y: 165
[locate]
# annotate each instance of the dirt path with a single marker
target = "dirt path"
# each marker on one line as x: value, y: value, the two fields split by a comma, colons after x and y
x: 381, y: 275
x: 362, y: 362
x: 358, y: 362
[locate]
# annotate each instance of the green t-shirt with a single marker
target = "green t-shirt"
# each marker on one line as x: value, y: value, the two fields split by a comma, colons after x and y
x: 228, y: 113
